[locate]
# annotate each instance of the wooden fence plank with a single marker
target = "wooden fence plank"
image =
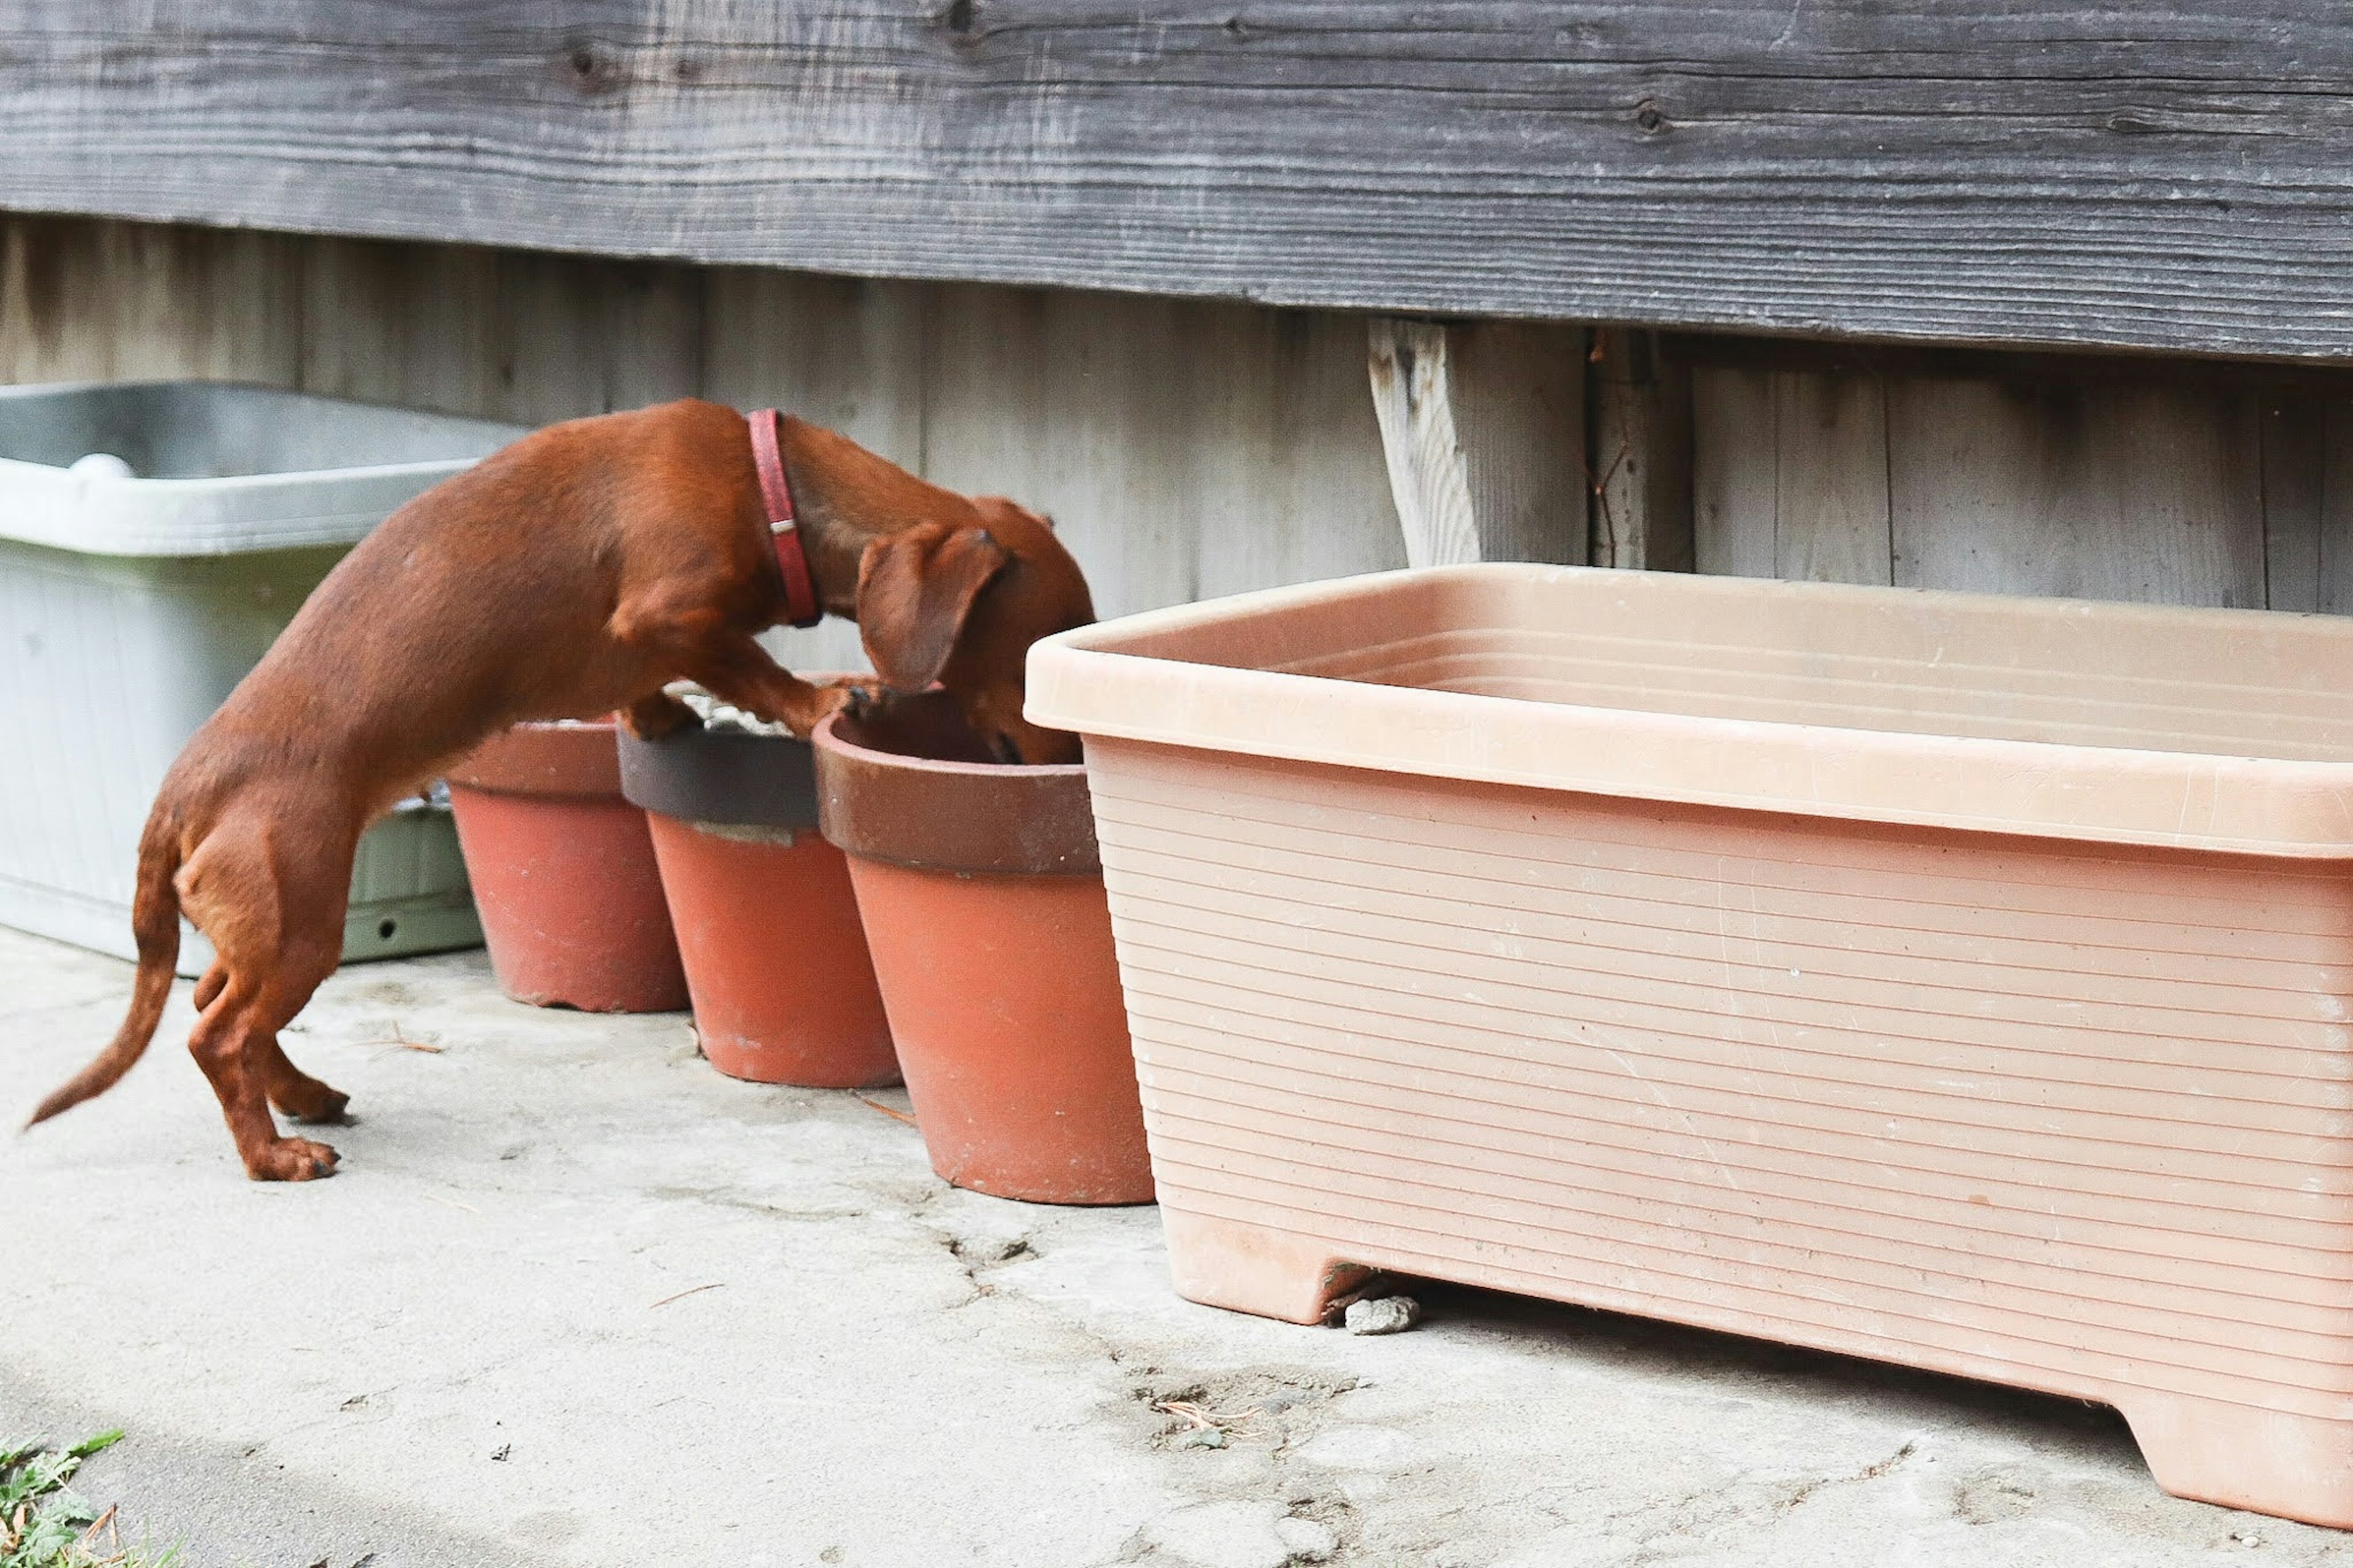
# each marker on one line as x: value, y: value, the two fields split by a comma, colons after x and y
x: 1735, y: 466
x: 2108, y: 492
x: 1831, y: 501
x: 1638, y: 465
x: 2295, y: 435
x: 2336, y: 590
x: 1287, y: 462
x: 2175, y: 175
x: 1184, y: 450
x: 505, y: 334
x: 406, y: 324
x: 1079, y: 407
x: 1483, y: 424
x: 113, y: 301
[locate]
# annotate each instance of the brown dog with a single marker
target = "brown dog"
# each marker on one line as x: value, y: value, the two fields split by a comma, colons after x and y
x: 570, y: 575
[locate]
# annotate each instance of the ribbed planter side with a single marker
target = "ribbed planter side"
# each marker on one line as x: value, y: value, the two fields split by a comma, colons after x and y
x: 563, y: 873
x: 1952, y: 980
x: 983, y: 906
x: 783, y: 988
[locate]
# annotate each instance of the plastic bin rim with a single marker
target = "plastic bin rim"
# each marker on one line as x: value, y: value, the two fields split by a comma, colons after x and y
x: 2277, y: 808
x: 331, y: 525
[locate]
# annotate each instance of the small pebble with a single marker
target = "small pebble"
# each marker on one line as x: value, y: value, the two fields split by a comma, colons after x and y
x: 1310, y: 1540
x: 1389, y: 1315
x: 1207, y: 1438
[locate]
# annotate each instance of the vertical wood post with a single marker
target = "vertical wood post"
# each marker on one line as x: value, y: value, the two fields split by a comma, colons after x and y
x: 1642, y: 454
x: 1484, y: 426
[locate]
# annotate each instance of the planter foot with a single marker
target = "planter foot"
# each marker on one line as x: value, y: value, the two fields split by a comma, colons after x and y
x: 1252, y: 1269
x: 2297, y: 1466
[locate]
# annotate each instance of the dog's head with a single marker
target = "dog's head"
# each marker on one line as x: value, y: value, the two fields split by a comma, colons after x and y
x: 959, y: 602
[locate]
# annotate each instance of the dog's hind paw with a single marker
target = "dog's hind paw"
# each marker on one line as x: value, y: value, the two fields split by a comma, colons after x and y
x: 324, y: 1108
x: 292, y: 1160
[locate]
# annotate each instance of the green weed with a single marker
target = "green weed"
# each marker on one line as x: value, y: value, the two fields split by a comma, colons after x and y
x: 44, y: 1524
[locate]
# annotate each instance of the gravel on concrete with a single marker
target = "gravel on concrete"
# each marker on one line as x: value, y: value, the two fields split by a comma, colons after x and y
x: 577, y: 1300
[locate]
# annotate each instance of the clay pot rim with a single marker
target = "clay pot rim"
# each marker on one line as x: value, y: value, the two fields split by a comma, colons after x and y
x: 824, y: 737
x: 728, y: 776
x: 1024, y: 819
x: 578, y: 758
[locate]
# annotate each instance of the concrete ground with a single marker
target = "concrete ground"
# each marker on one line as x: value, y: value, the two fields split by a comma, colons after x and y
x: 576, y: 1299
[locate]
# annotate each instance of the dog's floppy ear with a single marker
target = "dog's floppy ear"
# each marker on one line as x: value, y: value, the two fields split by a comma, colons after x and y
x: 914, y: 589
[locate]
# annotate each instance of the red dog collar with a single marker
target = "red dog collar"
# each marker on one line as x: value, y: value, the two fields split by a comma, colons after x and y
x: 801, y: 606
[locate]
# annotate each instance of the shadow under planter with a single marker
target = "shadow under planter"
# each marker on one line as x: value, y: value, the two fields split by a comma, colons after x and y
x: 775, y: 959
x: 983, y: 900
x: 563, y: 872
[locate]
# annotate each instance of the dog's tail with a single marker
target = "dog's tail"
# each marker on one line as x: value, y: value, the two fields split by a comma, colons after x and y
x: 155, y: 923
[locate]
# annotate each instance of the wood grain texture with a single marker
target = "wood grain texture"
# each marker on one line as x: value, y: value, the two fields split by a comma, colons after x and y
x: 2089, y: 492
x: 1407, y: 361
x: 532, y: 339
x: 1790, y: 471
x: 2176, y: 175
x: 1483, y: 424
x: 2162, y: 490
x: 2295, y: 458
x: 1639, y: 469
x: 1518, y: 390
x: 84, y: 301
x: 1188, y: 448
x: 2335, y: 595
x: 1735, y: 472
x: 1185, y: 449
x: 1830, y: 491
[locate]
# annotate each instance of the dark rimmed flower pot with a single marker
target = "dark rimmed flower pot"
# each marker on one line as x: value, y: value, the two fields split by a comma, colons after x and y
x: 776, y: 958
x: 563, y: 872
x: 983, y: 907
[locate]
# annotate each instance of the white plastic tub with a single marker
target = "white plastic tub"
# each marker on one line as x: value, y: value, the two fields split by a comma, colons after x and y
x: 129, y: 607
x: 1956, y: 980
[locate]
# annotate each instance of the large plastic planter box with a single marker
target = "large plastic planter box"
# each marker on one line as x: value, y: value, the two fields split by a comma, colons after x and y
x: 1959, y: 981
x: 129, y: 606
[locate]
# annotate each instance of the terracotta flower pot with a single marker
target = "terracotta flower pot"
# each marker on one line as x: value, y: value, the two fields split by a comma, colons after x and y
x: 563, y: 873
x: 983, y: 905
x: 775, y: 959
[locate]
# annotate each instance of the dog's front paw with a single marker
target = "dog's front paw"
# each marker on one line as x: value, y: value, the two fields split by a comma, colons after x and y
x: 292, y: 1159
x: 858, y: 696
x: 652, y: 717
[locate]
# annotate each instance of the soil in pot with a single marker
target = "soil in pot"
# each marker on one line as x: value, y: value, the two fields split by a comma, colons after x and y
x: 983, y: 907
x: 563, y: 872
x: 776, y: 958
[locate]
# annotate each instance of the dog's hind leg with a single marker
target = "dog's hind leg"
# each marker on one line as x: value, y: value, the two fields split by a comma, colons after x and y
x: 276, y: 920
x: 295, y: 1093
x: 231, y: 1044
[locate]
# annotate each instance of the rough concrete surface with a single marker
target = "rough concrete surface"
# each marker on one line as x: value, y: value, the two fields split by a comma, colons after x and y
x: 576, y: 1299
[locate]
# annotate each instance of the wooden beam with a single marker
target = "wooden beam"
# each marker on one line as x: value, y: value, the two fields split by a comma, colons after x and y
x: 2176, y: 175
x: 1641, y: 446
x: 1483, y: 424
